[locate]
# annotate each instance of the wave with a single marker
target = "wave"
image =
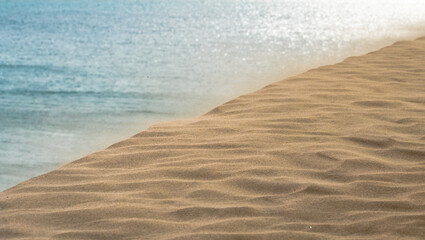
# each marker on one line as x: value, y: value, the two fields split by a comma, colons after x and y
x: 34, y: 67
x: 30, y: 92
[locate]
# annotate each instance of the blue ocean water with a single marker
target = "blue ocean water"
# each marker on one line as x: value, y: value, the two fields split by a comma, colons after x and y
x: 77, y: 76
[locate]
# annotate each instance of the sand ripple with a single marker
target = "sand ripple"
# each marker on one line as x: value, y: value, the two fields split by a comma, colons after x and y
x: 335, y: 153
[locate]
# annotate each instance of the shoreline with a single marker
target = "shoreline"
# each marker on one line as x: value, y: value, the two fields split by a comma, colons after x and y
x: 335, y: 152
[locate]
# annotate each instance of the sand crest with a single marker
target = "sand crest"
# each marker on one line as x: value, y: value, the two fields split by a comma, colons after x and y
x: 335, y: 153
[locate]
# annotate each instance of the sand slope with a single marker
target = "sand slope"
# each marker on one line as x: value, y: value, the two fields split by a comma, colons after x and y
x: 335, y: 153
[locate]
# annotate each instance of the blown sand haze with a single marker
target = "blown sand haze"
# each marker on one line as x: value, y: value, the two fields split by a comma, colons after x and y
x: 335, y: 153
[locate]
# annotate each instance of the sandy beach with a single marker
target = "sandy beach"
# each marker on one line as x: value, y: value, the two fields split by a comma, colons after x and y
x: 337, y: 152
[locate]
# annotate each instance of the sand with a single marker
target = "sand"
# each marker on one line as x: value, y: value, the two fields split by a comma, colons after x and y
x: 337, y: 152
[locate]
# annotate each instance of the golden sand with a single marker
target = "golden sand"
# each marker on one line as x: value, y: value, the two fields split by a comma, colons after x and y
x: 335, y: 153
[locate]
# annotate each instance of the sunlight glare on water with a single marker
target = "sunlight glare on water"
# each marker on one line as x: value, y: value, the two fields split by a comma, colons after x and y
x: 77, y: 76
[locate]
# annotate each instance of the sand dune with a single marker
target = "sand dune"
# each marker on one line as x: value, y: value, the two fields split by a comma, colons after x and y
x: 335, y: 153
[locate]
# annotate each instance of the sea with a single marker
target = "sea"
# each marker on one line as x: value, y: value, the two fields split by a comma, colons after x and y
x: 79, y: 75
